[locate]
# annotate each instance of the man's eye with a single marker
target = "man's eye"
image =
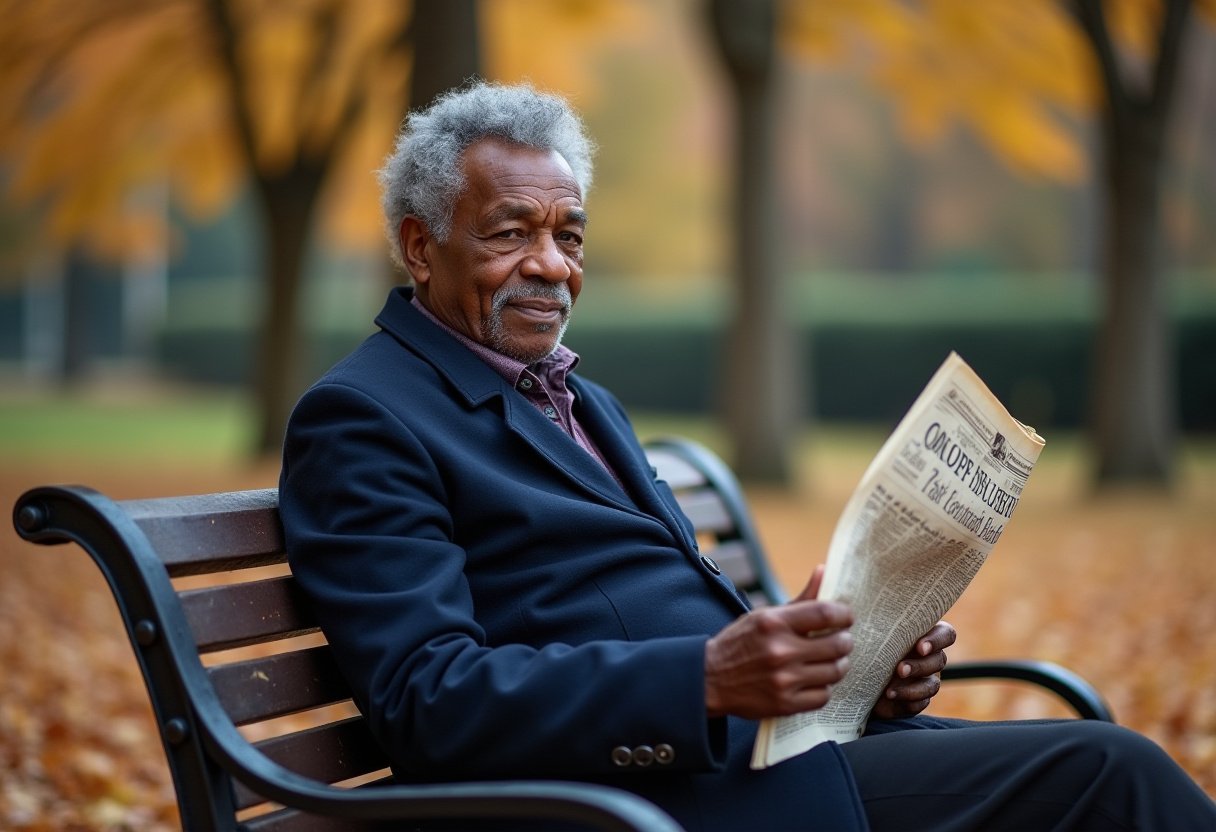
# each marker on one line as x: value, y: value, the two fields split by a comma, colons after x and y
x: 571, y: 237
x: 509, y: 233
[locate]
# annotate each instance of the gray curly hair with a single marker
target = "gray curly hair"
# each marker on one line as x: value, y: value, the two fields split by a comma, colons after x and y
x: 423, y: 177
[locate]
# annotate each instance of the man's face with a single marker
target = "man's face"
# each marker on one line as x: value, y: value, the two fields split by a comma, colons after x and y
x: 512, y: 266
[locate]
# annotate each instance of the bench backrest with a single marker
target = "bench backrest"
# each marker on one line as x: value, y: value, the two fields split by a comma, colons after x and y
x: 228, y: 649
x: 712, y: 499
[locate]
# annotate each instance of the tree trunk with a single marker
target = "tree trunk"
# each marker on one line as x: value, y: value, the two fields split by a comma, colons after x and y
x: 287, y: 206
x: 446, y: 47
x: 1134, y: 419
x: 761, y: 395
x: 1133, y: 409
x: 895, y: 216
x: 444, y: 35
x: 77, y: 319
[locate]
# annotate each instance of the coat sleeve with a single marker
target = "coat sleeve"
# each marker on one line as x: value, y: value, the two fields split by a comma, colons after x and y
x: 371, y: 544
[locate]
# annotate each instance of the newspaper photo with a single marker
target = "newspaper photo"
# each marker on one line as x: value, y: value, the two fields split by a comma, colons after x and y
x: 915, y: 531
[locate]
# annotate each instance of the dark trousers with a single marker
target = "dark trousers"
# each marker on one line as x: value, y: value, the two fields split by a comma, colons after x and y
x: 1042, y: 775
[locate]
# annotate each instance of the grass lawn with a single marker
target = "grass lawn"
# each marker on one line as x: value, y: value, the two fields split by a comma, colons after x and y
x: 124, y: 422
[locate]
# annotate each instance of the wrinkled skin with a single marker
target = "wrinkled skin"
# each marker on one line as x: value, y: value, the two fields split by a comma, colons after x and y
x: 778, y: 661
x: 511, y: 268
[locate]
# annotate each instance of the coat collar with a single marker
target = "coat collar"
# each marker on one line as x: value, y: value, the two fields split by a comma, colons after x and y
x: 467, y: 373
x: 478, y: 384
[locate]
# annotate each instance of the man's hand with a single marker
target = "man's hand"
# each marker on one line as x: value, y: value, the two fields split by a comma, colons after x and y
x: 917, y: 677
x: 778, y: 661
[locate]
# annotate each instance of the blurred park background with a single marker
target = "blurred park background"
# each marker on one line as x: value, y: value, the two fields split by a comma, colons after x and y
x: 800, y: 207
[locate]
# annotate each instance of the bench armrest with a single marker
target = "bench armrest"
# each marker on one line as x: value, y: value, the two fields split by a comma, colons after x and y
x: 1080, y: 695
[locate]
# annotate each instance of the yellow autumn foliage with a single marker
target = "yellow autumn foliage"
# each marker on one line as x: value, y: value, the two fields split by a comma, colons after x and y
x: 103, y: 98
x: 100, y: 99
x: 1134, y: 23
x: 110, y: 99
x: 552, y: 43
x: 1017, y: 74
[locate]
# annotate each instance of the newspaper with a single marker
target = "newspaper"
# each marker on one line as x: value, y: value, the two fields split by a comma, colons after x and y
x: 927, y: 512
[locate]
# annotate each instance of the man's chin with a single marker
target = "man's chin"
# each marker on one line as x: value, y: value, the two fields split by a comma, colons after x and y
x: 529, y: 346
x: 527, y: 350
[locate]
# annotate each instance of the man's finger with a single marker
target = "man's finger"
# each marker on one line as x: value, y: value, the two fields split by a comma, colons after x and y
x: 923, y: 688
x: 811, y: 591
x: 939, y: 638
x: 933, y: 663
x: 815, y: 616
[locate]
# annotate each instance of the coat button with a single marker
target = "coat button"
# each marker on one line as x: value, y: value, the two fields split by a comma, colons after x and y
x: 525, y: 384
x: 711, y: 565
x: 643, y: 755
x: 622, y: 756
x: 664, y: 754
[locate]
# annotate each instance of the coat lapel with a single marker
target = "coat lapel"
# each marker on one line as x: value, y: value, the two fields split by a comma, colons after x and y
x: 479, y: 384
x: 614, y: 437
x: 555, y: 445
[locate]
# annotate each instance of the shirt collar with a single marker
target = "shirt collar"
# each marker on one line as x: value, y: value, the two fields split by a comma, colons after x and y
x: 554, y: 367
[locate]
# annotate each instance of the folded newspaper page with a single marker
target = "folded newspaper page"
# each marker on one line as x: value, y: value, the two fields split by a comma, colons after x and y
x: 927, y: 512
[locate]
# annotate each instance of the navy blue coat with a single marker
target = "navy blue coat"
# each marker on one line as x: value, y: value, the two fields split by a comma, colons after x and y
x: 502, y: 606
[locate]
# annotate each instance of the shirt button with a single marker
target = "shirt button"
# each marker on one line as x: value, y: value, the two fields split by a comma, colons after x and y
x: 622, y: 756
x: 525, y: 384
x: 664, y: 754
x: 551, y: 412
x: 711, y: 565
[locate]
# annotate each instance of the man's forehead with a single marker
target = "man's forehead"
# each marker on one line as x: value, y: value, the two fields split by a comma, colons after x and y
x: 512, y: 207
x: 531, y: 184
x: 512, y: 163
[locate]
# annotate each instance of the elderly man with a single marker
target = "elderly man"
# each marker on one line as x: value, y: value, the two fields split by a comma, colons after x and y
x: 511, y: 593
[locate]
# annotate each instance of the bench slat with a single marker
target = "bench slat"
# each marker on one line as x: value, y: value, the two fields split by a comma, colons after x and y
x: 732, y: 557
x: 759, y: 598
x: 706, y: 511
x: 236, y: 615
x: 675, y: 471
x: 212, y: 532
x: 258, y: 689
x: 329, y: 753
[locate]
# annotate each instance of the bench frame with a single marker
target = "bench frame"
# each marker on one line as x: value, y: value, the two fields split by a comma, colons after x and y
x: 141, y: 545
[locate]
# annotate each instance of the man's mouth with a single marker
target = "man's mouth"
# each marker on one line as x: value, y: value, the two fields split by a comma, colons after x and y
x: 538, y: 309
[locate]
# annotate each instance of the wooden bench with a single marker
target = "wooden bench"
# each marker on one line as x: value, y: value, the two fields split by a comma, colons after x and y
x: 255, y: 719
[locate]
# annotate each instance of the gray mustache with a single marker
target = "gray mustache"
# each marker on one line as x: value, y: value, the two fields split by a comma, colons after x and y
x: 559, y: 292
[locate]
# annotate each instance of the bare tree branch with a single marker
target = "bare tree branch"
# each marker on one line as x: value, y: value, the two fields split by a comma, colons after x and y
x: 225, y: 34
x: 1090, y: 15
x: 50, y: 57
x: 1169, y: 54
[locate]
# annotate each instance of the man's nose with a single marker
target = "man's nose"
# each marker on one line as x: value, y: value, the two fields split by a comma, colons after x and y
x: 546, y: 261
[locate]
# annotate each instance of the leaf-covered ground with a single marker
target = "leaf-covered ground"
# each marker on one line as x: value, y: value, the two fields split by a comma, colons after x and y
x: 1122, y: 590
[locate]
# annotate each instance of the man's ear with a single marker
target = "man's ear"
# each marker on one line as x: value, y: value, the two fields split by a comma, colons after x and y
x: 414, y: 237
